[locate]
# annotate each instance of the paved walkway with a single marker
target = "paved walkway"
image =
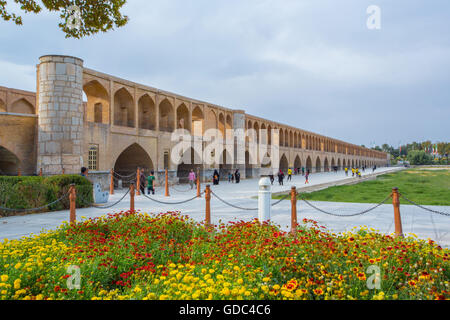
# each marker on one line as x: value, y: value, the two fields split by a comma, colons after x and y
x: 415, y: 220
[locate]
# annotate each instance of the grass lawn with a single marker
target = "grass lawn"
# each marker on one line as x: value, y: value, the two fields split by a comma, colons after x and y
x: 424, y: 186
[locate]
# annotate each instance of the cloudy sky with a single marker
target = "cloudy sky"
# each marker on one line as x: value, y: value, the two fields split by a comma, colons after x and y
x: 312, y: 64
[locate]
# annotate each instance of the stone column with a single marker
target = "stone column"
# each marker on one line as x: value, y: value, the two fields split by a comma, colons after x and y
x: 60, y: 129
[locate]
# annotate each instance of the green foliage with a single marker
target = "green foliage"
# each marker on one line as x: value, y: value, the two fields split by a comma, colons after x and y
x: 419, y: 157
x: 32, y: 192
x: 95, y: 15
x: 426, y: 187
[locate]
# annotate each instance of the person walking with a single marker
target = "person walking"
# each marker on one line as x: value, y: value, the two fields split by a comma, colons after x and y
x: 280, y: 177
x: 192, y: 178
x: 272, y: 179
x: 84, y: 171
x: 307, y: 177
x: 151, y: 183
x: 237, y: 176
x: 346, y: 171
x: 289, y: 175
x: 229, y: 176
x: 216, y: 178
x: 353, y: 172
x: 303, y: 171
x: 142, y: 180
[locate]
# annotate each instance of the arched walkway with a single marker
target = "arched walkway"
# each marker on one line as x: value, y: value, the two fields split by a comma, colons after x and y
x: 123, y: 108
x: 185, y: 167
x: 309, y: 164
x: 318, y: 165
x: 297, y: 162
x: 284, y: 164
x: 97, y: 102
x: 9, y: 163
x: 131, y: 158
x: 147, y: 113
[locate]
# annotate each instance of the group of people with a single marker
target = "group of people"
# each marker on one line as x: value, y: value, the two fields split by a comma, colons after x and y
x: 355, y: 171
x: 281, y: 175
x: 232, y: 177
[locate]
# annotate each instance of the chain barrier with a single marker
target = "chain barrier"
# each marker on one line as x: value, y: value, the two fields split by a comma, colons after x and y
x: 111, y: 205
x: 171, y: 203
x: 281, y: 199
x: 124, y: 176
x: 346, y: 215
x: 424, y: 208
x: 232, y: 205
x: 35, y: 209
x: 187, y: 190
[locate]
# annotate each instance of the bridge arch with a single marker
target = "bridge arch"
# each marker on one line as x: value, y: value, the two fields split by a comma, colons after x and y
x: 131, y: 158
x: 147, y: 113
x: 97, y: 102
x: 166, y: 116
x: 318, y: 165
x: 124, y: 108
x: 9, y: 162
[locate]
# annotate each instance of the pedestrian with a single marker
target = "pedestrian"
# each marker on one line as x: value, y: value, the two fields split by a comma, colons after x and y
x: 84, y: 171
x: 237, y: 176
x: 346, y: 171
x: 232, y: 178
x: 272, y: 179
x: 303, y: 171
x: 229, y: 176
x: 216, y: 178
x: 353, y: 172
x: 289, y: 175
x: 192, y: 178
x: 307, y: 177
x: 142, y: 180
x: 280, y: 177
x: 151, y: 183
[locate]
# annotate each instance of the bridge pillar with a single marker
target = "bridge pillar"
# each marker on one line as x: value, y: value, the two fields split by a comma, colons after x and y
x: 61, y: 114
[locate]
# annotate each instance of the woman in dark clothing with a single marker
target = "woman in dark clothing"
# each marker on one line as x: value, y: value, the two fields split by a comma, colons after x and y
x: 237, y: 176
x: 216, y: 178
x: 280, y: 177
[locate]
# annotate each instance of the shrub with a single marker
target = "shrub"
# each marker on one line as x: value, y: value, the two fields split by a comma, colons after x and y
x: 33, y: 192
x: 419, y: 157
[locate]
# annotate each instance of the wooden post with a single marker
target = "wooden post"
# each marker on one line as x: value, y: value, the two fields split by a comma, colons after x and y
x: 40, y: 172
x: 199, y: 195
x: 19, y: 172
x: 111, y: 182
x: 138, y: 182
x: 293, y: 210
x: 132, y: 193
x: 73, y: 203
x: 208, y: 205
x: 397, y: 217
x: 167, y: 184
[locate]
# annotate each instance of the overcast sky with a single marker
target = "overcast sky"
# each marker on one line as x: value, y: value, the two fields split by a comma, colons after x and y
x: 312, y: 64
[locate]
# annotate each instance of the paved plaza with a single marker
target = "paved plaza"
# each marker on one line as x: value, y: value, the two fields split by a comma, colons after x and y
x: 415, y: 220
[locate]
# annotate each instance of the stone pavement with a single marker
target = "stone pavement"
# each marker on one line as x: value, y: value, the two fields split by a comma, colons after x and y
x: 415, y: 220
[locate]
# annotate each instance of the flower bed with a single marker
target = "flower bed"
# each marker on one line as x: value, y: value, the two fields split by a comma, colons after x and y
x: 168, y: 256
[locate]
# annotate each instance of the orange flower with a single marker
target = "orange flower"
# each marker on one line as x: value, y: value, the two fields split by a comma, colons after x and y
x: 318, y: 292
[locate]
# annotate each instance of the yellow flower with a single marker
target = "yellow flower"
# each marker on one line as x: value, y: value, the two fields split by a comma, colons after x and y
x: 4, y: 278
x: 17, y: 283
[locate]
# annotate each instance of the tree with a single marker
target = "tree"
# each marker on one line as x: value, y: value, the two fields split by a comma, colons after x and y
x: 418, y: 157
x: 94, y: 15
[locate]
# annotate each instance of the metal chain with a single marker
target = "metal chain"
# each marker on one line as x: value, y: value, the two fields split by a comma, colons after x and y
x: 422, y: 207
x: 126, y: 176
x: 163, y: 202
x: 34, y: 209
x: 232, y: 205
x: 281, y: 199
x: 347, y: 215
x: 112, y: 205
x: 173, y: 187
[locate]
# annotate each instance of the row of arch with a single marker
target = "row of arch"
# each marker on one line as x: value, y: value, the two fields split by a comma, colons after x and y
x: 160, y: 115
x: 317, y: 165
x: 20, y: 105
x: 300, y: 140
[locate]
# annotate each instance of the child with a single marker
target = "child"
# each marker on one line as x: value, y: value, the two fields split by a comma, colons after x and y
x: 150, y: 182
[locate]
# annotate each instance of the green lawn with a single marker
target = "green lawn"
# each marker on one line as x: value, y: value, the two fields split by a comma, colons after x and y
x: 426, y: 187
